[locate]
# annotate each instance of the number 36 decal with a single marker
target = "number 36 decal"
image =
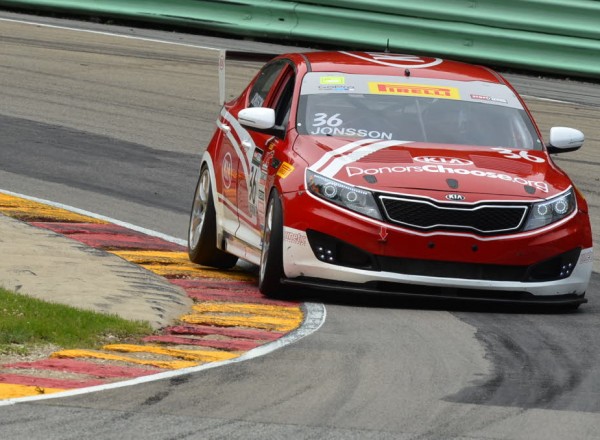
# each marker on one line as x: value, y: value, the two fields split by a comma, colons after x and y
x: 322, y: 119
x: 522, y: 154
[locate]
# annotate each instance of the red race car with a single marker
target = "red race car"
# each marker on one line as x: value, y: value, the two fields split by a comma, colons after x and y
x: 391, y: 173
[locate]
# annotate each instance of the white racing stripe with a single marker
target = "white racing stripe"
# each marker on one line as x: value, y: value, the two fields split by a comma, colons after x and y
x: 330, y: 155
x: 245, y: 158
x: 356, y: 154
x: 401, y: 61
x: 242, y: 134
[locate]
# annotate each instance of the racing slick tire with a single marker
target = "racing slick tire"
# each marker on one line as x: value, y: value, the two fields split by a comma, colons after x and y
x: 271, y: 258
x: 202, y: 233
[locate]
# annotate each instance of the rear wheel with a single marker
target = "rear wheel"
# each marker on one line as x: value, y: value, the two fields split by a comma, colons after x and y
x: 271, y: 259
x: 202, y: 235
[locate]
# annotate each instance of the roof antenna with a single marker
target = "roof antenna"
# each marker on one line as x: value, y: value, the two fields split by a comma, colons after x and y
x: 387, y: 46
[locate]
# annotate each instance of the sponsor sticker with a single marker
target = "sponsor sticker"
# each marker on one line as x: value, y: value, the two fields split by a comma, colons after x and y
x: 257, y: 100
x: 295, y: 238
x: 227, y: 172
x: 488, y: 98
x: 337, y: 88
x: 332, y: 80
x: 423, y: 90
x: 257, y: 156
x: 285, y: 170
x: 271, y: 143
x: 441, y: 169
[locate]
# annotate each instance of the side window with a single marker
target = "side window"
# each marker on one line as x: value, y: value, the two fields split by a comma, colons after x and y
x: 284, y: 104
x: 263, y: 84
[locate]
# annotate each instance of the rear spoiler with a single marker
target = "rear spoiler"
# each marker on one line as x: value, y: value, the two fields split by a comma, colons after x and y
x: 224, y: 55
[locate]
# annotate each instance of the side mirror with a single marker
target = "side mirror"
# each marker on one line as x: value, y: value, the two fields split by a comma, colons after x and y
x: 262, y: 118
x: 563, y: 139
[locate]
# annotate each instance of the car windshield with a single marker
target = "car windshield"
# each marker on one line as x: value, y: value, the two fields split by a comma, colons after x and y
x: 386, y: 108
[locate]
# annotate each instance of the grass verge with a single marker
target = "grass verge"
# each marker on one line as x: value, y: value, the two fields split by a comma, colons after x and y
x: 27, y: 322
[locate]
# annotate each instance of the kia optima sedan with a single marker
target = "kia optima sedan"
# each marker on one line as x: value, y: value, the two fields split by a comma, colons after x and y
x: 383, y: 172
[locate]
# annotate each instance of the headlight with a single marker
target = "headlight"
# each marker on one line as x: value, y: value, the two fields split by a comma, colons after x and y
x: 355, y: 199
x: 551, y: 211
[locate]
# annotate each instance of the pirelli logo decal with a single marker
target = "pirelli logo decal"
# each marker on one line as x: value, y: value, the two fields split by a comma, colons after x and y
x: 423, y: 90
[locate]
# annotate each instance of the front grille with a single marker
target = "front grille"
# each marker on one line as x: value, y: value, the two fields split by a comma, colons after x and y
x: 426, y: 215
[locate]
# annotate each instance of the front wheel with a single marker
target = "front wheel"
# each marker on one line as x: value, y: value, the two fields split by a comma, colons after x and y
x: 271, y: 258
x: 202, y: 235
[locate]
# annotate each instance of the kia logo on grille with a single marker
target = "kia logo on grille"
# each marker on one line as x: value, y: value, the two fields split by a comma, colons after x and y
x: 455, y: 197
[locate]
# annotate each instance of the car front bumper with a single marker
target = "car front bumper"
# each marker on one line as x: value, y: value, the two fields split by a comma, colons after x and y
x: 463, y: 265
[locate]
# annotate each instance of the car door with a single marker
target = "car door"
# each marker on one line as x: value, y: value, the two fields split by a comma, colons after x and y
x: 275, y: 93
x: 236, y: 149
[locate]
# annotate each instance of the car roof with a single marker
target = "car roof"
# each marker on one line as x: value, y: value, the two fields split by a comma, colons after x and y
x: 383, y: 63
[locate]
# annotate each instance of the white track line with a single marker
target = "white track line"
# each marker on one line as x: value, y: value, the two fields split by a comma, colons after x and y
x: 558, y: 101
x: 314, y: 317
x: 110, y: 34
x: 150, y: 232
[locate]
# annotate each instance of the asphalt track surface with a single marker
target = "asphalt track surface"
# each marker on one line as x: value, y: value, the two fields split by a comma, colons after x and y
x: 116, y: 126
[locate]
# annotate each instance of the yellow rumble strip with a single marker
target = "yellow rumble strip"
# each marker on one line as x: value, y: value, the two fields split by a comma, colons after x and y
x: 259, y: 316
x: 169, y: 365
x: 178, y: 264
x: 190, y: 355
x: 10, y: 391
x: 27, y: 209
x: 249, y: 309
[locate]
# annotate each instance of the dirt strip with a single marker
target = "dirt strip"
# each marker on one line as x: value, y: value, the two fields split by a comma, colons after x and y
x: 48, y: 266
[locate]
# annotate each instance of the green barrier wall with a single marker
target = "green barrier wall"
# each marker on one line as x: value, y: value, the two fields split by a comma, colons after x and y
x: 559, y: 36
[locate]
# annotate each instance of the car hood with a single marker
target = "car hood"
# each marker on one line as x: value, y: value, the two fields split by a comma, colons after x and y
x: 447, y: 172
